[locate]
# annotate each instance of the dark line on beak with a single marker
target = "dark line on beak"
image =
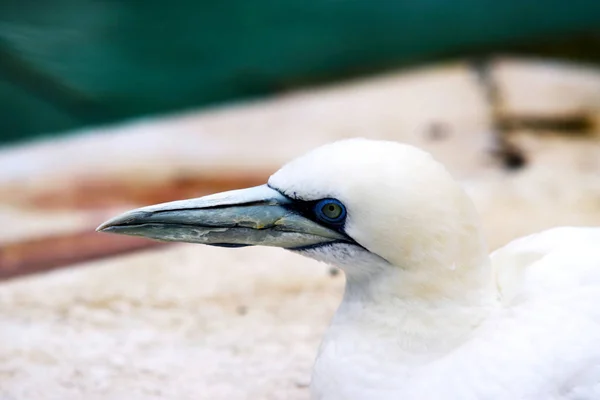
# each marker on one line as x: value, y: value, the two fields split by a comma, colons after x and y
x: 229, y: 245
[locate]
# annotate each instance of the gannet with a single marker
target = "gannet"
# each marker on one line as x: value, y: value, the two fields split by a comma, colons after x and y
x: 426, y: 314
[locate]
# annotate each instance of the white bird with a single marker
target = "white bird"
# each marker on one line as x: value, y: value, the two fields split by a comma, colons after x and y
x: 427, y: 314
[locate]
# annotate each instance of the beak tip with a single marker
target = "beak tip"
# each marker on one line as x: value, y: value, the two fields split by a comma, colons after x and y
x: 124, y: 219
x: 102, y: 227
x: 106, y: 226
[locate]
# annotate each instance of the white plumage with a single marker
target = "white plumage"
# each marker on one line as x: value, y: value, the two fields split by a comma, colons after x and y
x: 426, y: 313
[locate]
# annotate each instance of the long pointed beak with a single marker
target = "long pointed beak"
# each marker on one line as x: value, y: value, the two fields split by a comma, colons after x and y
x: 246, y: 217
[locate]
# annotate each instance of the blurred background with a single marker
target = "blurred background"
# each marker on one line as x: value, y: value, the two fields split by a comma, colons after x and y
x: 109, y: 105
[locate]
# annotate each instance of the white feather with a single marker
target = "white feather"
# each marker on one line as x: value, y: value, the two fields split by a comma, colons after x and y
x: 427, y: 314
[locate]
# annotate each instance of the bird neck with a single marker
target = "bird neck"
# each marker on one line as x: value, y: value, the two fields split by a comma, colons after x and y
x: 424, y: 310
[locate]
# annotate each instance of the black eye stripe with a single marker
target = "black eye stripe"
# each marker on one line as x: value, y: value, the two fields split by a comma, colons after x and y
x: 306, y: 208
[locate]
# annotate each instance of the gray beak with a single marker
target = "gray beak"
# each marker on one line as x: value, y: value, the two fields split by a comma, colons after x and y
x: 254, y: 216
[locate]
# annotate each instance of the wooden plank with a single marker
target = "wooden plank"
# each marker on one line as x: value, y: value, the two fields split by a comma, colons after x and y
x: 46, y: 254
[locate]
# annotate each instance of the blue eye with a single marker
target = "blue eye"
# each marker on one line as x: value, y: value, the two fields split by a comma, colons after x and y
x: 330, y: 210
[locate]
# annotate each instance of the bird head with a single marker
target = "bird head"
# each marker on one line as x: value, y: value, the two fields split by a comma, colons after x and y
x: 365, y: 206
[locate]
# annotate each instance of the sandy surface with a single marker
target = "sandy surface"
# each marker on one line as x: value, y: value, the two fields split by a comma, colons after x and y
x: 189, y: 322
